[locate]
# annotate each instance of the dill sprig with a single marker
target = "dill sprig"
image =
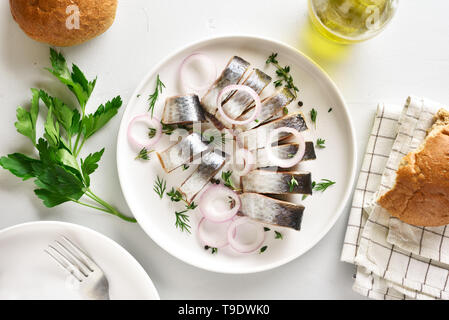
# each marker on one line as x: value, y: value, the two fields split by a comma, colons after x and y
x: 320, y: 143
x: 144, y: 154
x: 263, y: 249
x: 160, y: 185
x: 182, y: 221
x: 304, y: 197
x: 323, y: 185
x: 152, y: 99
x: 278, y: 235
x: 283, y: 73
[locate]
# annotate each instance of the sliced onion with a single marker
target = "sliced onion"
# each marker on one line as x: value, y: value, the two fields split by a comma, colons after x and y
x: 209, y: 209
x: 286, y: 163
x: 213, y: 234
x: 255, y: 244
x: 152, y: 122
x: 248, y: 161
x: 248, y: 90
x: 211, y: 72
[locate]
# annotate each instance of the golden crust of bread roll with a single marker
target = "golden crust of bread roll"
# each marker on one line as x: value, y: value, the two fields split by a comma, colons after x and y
x: 46, y: 20
x: 421, y: 194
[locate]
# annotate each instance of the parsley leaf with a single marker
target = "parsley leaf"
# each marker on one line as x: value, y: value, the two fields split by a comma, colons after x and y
x: 26, y: 120
x: 90, y: 164
x: 75, y: 80
x: 94, y: 122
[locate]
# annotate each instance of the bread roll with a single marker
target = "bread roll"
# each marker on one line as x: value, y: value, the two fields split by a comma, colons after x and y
x: 421, y: 194
x: 63, y: 23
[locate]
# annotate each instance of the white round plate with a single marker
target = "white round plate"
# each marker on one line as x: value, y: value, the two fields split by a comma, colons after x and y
x: 336, y: 162
x: 27, y: 272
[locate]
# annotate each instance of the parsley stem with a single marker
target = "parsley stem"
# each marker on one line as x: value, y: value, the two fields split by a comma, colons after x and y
x: 111, y: 209
x: 79, y: 149
x: 90, y: 206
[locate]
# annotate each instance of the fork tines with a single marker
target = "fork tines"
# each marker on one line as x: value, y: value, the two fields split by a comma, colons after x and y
x: 70, y: 257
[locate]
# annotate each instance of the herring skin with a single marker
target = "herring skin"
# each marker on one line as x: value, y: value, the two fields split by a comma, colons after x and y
x: 183, y: 110
x: 271, y: 211
x: 258, y: 138
x: 182, y: 152
x: 232, y: 74
x: 211, y: 163
x: 272, y: 182
x: 240, y: 101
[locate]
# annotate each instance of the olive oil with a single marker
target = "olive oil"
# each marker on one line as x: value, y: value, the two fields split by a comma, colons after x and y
x: 349, y: 21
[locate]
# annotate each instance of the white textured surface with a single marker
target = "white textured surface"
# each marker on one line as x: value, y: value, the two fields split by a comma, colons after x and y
x: 409, y: 57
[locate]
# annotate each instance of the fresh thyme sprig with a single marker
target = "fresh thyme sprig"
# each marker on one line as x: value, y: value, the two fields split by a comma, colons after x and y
x: 292, y: 183
x: 152, y: 99
x: 182, y: 221
x: 320, y: 143
x: 160, y: 185
x: 283, y: 73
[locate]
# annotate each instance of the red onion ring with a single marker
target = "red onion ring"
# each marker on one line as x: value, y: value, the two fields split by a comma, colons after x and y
x: 212, y: 74
x: 248, y: 159
x: 150, y: 121
x: 207, y: 208
x: 245, y: 248
x: 248, y: 90
x: 214, y: 241
x: 286, y: 163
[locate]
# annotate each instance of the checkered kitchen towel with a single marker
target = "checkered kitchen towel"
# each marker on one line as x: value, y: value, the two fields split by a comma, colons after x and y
x: 394, y: 260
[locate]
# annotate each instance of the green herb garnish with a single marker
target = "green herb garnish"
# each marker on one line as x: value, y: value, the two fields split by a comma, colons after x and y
x: 285, y: 111
x: 283, y: 73
x: 226, y: 176
x: 313, y: 115
x: 292, y: 183
x: 306, y: 195
x: 60, y: 175
x: 266, y: 229
x: 278, y: 235
x: 182, y: 221
x: 330, y: 110
x: 213, y: 250
x: 160, y: 185
x: 185, y: 167
x: 320, y: 143
x: 175, y: 195
x: 144, y: 154
x: 262, y: 250
x: 322, y: 186
x: 155, y: 95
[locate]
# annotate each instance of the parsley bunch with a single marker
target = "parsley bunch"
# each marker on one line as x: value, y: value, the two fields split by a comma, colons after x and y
x: 60, y: 175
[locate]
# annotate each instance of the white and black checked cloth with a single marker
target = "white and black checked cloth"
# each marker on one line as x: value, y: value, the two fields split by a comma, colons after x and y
x: 394, y: 260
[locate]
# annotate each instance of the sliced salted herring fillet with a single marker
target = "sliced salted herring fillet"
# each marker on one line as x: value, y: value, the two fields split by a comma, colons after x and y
x: 272, y: 182
x: 211, y: 163
x: 271, y: 211
x: 232, y: 74
x: 241, y: 101
x: 283, y: 151
x: 258, y: 138
x: 270, y: 107
x: 182, y: 152
x: 183, y: 110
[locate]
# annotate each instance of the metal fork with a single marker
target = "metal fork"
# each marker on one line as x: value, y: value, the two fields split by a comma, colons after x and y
x: 92, y: 281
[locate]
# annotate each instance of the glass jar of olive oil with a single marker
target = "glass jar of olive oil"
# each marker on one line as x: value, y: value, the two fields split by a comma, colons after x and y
x: 350, y: 21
